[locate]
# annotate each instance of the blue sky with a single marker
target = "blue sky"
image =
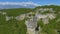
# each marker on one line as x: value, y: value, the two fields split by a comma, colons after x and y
x: 41, y: 2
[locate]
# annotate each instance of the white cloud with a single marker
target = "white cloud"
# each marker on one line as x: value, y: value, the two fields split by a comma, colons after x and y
x: 20, y: 3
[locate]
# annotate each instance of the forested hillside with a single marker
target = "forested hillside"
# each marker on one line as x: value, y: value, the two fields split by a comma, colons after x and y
x: 14, y: 26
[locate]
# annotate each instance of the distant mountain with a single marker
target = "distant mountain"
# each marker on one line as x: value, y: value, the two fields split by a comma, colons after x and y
x: 15, y: 6
x: 5, y: 5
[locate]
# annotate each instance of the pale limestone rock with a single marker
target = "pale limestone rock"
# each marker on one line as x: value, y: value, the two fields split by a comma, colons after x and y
x: 8, y: 18
x: 20, y: 17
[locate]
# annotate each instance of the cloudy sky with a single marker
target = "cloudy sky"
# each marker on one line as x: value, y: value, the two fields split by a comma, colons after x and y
x: 30, y: 2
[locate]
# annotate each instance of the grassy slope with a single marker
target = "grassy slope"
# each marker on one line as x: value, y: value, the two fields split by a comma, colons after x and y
x: 13, y: 26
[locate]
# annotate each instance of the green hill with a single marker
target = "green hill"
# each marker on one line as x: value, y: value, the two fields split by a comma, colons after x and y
x: 18, y: 27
